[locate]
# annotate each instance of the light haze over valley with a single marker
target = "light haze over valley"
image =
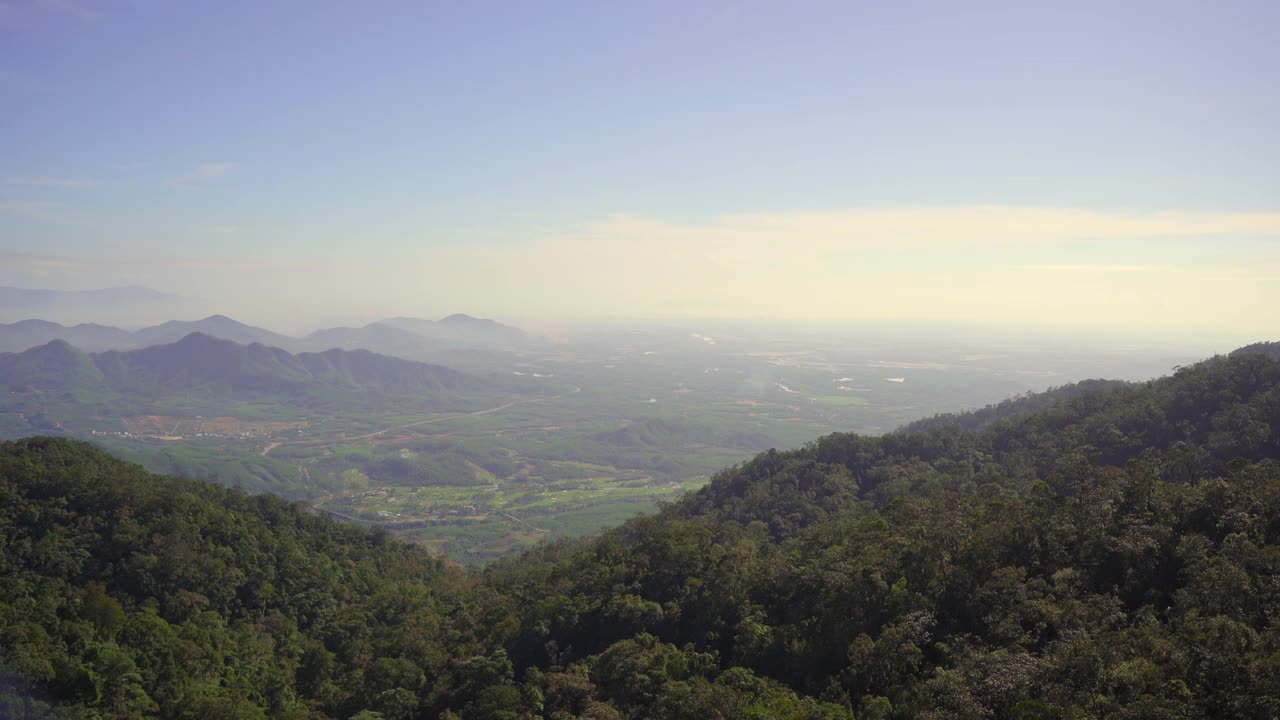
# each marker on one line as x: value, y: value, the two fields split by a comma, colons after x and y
x: 661, y: 246
x: 639, y: 361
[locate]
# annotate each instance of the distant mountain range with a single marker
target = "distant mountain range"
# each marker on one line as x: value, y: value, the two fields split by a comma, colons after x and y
x: 216, y: 367
x: 403, y: 337
x: 456, y: 329
x: 89, y: 336
x: 462, y: 325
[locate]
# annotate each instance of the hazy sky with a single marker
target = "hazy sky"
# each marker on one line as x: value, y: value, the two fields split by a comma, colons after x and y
x: 1110, y: 164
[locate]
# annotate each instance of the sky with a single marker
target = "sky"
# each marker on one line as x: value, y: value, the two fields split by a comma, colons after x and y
x: 1109, y: 165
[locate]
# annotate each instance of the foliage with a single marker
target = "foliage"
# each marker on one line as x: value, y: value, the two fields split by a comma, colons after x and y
x: 1110, y: 553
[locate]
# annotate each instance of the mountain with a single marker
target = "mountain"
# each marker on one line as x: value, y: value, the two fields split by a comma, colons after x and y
x: 133, y: 595
x: 461, y: 328
x: 365, y: 370
x: 56, y: 365
x: 219, y: 326
x: 480, y: 327
x: 409, y: 338
x: 377, y: 337
x: 418, y: 326
x: 203, y: 359
x: 1110, y: 553
x: 24, y: 334
x: 221, y: 367
x: 486, y: 346
x: 198, y: 360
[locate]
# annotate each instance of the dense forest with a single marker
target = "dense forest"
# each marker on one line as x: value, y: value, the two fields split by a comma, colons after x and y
x: 1105, y: 550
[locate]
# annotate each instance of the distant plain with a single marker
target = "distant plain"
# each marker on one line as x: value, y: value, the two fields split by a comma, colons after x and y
x: 540, y: 437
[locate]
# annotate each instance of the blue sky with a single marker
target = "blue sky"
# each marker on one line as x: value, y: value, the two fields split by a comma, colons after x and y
x: 414, y: 152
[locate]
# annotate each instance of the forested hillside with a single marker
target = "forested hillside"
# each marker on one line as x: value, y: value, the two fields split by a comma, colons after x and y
x: 1015, y: 407
x: 1111, y: 552
x: 131, y: 595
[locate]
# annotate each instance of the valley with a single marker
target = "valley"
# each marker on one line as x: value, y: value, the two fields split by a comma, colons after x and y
x: 537, y: 438
x: 639, y: 361
x: 1105, y: 549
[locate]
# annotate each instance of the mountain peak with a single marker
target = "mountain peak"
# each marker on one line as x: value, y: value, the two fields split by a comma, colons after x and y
x: 464, y: 322
x: 465, y: 319
x: 219, y: 326
x: 54, y: 364
x: 34, y: 327
x: 198, y: 338
x: 58, y: 345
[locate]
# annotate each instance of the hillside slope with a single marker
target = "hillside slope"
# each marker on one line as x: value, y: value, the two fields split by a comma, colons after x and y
x: 131, y: 595
x: 1112, y: 556
x: 1115, y: 555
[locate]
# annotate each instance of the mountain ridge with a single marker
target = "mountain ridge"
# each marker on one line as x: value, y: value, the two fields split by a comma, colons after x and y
x: 219, y: 326
x: 24, y: 334
x: 412, y: 338
x: 198, y: 358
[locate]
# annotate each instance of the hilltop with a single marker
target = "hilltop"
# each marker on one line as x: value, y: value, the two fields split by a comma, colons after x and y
x: 462, y: 328
x: 219, y: 326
